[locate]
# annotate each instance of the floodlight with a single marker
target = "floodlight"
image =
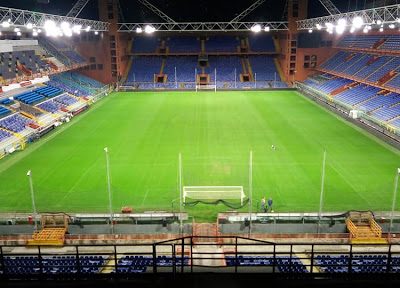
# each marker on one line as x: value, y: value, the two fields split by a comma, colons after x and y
x: 256, y: 28
x: 310, y: 30
x: 139, y: 30
x: 379, y: 22
x: 149, y: 29
x: 19, y: 33
x: 392, y: 26
x: 381, y: 29
x: 358, y: 22
x: 6, y: 24
x: 77, y: 29
x: 267, y: 29
x: 319, y: 27
x: 34, y: 33
x: 29, y: 26
x: 96, y: 32
x: 88, y: 28
x: 17, y: 29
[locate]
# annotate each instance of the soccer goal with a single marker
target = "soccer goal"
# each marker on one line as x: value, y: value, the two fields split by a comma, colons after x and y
x: 213, y: 193
x: 206, y: 88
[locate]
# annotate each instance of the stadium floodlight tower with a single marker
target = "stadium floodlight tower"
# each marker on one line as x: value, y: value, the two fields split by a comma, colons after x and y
x: 396, y: 183
x: 29, y: 174
x: 109, y: 190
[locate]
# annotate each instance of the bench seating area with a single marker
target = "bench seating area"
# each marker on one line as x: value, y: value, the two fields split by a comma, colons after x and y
x: 359, y: 263
x: 15, y: 123
x: 283, y: 263
x: 139, y: 264
x: 28, y: 265
x: 38, y: 94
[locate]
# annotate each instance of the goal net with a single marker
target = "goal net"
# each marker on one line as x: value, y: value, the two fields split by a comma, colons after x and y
x: 206, y: 88
x: 208, y: 194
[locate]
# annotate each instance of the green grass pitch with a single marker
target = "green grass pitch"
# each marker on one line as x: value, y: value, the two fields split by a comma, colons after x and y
x: 214, y: 132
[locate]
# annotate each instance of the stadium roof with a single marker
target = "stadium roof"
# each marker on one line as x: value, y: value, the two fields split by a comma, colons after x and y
x: 192, y: 10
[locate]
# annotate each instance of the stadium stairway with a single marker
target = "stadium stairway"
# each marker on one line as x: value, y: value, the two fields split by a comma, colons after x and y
x: 204, y: 232
x: 210, y: 255
x: 364, y: 229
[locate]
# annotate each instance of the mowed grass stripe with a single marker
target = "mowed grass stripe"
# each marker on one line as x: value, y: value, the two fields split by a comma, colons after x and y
x: 214, y: 132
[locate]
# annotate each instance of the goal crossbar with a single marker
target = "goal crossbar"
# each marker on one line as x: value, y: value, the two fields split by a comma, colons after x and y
x: 214, y: 193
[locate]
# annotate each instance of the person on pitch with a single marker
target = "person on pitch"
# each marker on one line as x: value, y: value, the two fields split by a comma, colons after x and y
x: 270, y: 204
x: 263, y: 207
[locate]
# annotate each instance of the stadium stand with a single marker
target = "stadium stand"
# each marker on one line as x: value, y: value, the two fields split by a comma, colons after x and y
x: 221, y: 44
x: 145, y: 44
x: 261, y: 43
x: 21, y: 62
x: 183, y: 44
x: 283, y: 263
x: 4, y: 111
x: 376, y: 42
x: 220, y: 50
x: 15, y: 122
x: 4, y: 135
x: 359, y: 264
x: 51, y: 106
x: 27, y: 265
x: 74, y: 83
x: 138, y: 264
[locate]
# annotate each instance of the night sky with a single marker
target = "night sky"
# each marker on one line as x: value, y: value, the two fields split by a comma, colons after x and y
x: 192, y: 10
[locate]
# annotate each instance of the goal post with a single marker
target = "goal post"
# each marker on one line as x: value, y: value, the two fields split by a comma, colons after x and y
x: 214, y: 180
x: 206, y: 88
x: 213, y: 193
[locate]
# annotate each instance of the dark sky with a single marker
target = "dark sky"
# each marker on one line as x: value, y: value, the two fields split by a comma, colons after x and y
x: 192, y: 10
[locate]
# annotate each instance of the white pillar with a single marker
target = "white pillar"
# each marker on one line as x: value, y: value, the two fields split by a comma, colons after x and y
x: 109, y: 189
x: 321, y: 196
x: 396, y: 182
x: 29, y: 174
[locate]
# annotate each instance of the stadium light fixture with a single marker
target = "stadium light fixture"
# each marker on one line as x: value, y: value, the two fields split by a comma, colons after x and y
x: 319, y: 27
x: 34, y: 33
x: 358, y: 22
x: 381, y: 29
x: 77, y: 29
x: 341, y: 26
x: 19, y: 33
x: 149, y: 29
x: 96, y: 32
x: 365, y: 30
x: 256, y: 28
x: 392, y: 26
x: 88, y: 28
x: 379, y: 22
x: 29, y: 26
x: 51, y: 28
x: 6, y: 24
x: 139, y: 30
x: 310, y: 31
x: 267, y: 29
x: 16, y: 30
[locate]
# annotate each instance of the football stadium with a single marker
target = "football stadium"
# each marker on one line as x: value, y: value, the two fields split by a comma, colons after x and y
x: 148, y: 141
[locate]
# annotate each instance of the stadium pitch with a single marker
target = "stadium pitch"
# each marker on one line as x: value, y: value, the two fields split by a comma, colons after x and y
x: 146, y: 131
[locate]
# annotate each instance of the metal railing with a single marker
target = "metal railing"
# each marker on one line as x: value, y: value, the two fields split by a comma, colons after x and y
x: 190, y: 255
